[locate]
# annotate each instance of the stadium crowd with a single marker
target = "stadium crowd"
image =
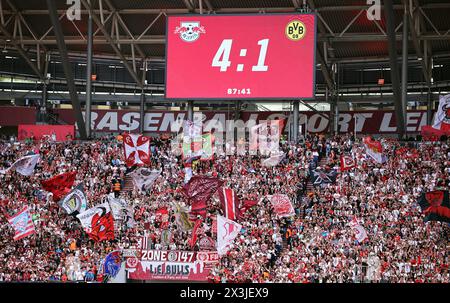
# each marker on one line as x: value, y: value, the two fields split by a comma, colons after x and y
x: 316, y: 245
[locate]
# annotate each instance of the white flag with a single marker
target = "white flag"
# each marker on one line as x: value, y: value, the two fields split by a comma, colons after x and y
x: 441, y: 114
x: 121, y: 210
x: 358, y: 229
x: 143, y: 178
x: 86, y: 216
x: 273, y: 160
x: 24, y: 166
x: 187, y: 174
x: 75, y: 201
x: 227, y: 231
x: 117, y: 205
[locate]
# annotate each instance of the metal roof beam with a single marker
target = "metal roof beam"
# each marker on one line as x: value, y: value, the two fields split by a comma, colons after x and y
x: 325, y: 71
x: 22, y: 52
x: 208, y: 5
x: 313, y: 109
x: 189, y: 5
x: 190, y: 8
x: 392, y: 45
x: 395, y: 7
x: 125, y: 27
x: 112, y: 44
x: 158, y: 39
x: 67, y: 68
x: 416, y: 43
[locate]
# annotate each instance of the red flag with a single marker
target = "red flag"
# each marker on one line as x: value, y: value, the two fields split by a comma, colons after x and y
x: 98, y: 222
x: 102, y: 227
x: 347, y: 163
x: 162, y: 215
x: 282, y: 205
x: 59, y: 185
x: 136, y: 149
x: 199, y: 190
x: 198, y: 208
x: 229, y: 202
x: 432, y: 134
x: 246, y: 205
x: 195, y: 232
x: 436, y: 205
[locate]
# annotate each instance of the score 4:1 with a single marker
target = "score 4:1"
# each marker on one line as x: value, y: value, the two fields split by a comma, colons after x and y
x: 225, y: 50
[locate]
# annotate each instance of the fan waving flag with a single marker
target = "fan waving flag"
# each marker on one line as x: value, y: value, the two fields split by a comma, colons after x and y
x: 75, y: 202
x: 143, y: 178
x: 112, y: 263
x: 436, y: 205
x: 229, y: 202
x: 121, y: 210
x: 359, y: 231
x: 374, y: 149
x: 282, y: 205
x: 442, y: 117
x: 22, y: 224
x: 199, y: 190
x: 319, y: 177
x: 137, y: 149
x: 227, y: 231
x: 24, y: 166
x: 246, y: 205
x: 195, y: 232
x: 59, y: 185
x: 182, y: 217
x: 347, y: 163
x: 98, y: 222
x: 274, y: 160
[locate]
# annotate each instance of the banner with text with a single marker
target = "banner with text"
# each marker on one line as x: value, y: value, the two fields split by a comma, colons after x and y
x: 170, y: 265
x: 118, y: 121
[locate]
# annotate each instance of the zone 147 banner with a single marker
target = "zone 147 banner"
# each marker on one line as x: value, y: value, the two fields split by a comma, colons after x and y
x: 172, y: 265
x: 236, y: 56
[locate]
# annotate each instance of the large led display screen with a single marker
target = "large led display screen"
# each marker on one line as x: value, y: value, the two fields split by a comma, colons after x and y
x: 264, y: 56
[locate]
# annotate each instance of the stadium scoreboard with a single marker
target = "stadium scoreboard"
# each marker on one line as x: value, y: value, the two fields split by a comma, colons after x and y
x: 257, y: 56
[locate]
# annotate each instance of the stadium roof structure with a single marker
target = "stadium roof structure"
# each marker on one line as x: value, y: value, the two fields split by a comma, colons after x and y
x: 133, y: 33
x: 140, y: 24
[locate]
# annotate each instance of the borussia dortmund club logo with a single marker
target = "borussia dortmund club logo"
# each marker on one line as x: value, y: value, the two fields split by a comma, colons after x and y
x: 295, y: 30
x: 190, y: 31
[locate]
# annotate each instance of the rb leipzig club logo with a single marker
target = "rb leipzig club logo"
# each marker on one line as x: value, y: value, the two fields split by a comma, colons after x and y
x: 132, y: 262
x: 190, y: 31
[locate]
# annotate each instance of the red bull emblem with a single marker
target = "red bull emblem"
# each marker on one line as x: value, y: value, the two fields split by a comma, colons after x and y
x: 229, y: 229
x: 190, y: 31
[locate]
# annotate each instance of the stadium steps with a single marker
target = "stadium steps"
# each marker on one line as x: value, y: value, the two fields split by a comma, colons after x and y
x: 128, y: 184
x: 285, y: 244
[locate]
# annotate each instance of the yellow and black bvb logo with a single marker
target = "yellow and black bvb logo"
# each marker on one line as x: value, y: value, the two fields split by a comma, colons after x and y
x: 295, y: 30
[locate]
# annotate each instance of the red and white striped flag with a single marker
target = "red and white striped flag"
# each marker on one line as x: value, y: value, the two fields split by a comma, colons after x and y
x: 229, y: 202
x: 145, y: 242
x: 22, y: 224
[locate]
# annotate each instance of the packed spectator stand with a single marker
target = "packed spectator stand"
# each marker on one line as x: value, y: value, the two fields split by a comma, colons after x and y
x: 315, y: 245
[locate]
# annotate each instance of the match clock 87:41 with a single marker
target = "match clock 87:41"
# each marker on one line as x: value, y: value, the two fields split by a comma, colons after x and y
x: 269, y: 56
